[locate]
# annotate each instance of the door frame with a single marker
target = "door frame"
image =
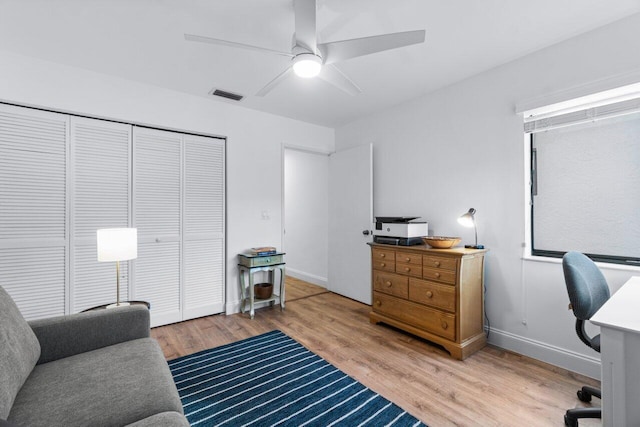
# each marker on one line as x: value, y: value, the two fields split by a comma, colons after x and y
x: 286, y: 146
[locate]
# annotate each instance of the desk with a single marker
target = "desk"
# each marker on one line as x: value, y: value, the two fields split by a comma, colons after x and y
x: 619, y: 321
x: 251, y: 264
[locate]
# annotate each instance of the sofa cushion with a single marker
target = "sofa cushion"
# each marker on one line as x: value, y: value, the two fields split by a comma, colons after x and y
x: 19, y: 352
x: 110, y: 386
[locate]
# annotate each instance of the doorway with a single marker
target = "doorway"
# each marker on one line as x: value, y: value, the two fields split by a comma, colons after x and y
x: 305, y: 222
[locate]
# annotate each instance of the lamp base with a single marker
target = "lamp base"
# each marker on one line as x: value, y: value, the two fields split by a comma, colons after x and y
x: 474, y: 246
x: 122, y: 304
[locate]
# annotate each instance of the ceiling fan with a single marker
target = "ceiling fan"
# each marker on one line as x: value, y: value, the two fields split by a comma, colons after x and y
x: 310, y: 59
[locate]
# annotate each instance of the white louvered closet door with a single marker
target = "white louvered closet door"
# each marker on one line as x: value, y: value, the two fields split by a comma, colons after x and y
x: 33, y: 210
x: 157, y: 193
x: 100, y: 155
x: 204, y: 226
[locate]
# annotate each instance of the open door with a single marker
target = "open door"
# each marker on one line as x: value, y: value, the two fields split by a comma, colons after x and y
x: 350, y: 220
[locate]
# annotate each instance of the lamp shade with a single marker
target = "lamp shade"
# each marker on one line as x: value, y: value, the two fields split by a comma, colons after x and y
x: 117, y: 244
x: 467, y: 219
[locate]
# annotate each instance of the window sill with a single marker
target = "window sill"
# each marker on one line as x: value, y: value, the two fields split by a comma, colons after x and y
x: 602, y: 265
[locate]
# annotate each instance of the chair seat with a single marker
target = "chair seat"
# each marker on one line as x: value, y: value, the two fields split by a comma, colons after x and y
x: 79, y: 390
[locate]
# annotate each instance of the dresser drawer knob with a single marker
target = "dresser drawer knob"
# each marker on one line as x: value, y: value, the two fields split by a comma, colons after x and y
x: 407, y: 269
x: 437, y: 275
x: 388, y: 283
x: 382, y: 264
x: 383, y: 255
x: 437, y: 263
x: 378, y: 303
x: 444, y: 324
x: 408, y: 259
x: 429, y: 294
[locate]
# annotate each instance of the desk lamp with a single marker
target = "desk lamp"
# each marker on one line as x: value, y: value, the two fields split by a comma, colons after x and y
x: 117, y: 244
x: 468, y: 219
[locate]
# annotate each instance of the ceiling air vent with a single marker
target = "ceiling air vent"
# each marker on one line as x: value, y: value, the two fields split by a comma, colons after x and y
x: 228, y: 95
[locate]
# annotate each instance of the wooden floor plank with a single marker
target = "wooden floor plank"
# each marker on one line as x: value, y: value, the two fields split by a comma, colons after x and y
x: 493, y: 387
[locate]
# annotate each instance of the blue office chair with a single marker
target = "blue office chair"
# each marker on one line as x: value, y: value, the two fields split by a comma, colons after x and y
x: 588, y: 291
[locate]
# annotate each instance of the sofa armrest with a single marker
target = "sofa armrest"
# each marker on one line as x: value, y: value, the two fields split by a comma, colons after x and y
x: 64, y: 336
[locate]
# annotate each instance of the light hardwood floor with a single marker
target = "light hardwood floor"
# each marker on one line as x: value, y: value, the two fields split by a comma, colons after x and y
x: 491, y: 388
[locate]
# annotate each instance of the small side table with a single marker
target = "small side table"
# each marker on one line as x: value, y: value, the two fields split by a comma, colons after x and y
x: 104, y: 306
x: 251, y: 264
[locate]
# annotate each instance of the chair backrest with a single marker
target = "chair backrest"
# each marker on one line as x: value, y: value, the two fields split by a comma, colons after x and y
x: 587, y: 287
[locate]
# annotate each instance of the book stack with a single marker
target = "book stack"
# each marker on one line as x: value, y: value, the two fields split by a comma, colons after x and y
x: 263, y: 250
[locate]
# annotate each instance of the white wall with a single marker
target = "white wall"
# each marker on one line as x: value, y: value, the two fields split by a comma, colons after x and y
x: 254, y: 139
x: 462, y: 147
x: 306, y: 215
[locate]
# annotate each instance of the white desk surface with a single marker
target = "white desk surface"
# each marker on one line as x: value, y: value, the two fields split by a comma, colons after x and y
x: 622, y: 311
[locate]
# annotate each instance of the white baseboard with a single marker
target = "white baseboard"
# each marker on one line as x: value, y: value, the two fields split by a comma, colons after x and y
x: 233, y: 307
x: 575, y: 362
x: 311, y: 278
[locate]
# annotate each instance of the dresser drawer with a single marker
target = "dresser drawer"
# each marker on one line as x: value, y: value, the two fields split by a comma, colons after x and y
x: 419, y: 316
x: 439, y: 275
x: 382, y: 259
x: 392, y: 284
x: 439, y: 262
x: 409, y: 258
x: 409, y: 269
x: 260, y: 261
x: 433, y: 294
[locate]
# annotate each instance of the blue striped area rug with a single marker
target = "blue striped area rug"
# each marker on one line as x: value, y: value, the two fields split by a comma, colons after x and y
x: 272, y: 380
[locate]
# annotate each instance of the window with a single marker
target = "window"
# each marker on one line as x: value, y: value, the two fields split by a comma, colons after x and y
x: 585, y: 183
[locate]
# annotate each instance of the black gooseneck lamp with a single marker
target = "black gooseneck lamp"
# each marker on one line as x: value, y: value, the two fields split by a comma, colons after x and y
x: 468, y: 219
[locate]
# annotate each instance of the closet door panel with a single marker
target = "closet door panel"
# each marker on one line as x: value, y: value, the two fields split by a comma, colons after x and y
x: 157, y: 184
x: 204, y: 218
x: 100, y: 153
x: 204, y: 187
x: 35, y: 278
x: 157, y: 271
x: 203, y: 278
x: 33, y: 209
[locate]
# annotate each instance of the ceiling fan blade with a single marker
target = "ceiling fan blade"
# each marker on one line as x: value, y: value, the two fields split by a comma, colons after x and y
x: 203, y: 39
x: 305, y: 16
x: 346, y: 49
x: 275, y: 82
x: 332, y: 75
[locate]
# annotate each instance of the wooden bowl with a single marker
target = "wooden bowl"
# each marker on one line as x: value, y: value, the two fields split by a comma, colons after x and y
x: 440, y: 242
x: 263, y: 290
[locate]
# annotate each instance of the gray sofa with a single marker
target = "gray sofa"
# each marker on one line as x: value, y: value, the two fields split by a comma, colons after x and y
x: 98, y: 368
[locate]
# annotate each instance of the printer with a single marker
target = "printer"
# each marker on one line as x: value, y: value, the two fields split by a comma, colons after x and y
x: 399, y: 230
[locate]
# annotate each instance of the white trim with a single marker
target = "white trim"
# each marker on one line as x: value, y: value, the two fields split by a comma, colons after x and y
x: 567, y: 359
x: 233, y: 307
x: 602, y: 265
x: 578, y: 91
x: 311, y: 150
x: 307, y: 277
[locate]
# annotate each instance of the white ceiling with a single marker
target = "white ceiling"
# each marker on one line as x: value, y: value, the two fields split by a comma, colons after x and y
x: 143, y: 40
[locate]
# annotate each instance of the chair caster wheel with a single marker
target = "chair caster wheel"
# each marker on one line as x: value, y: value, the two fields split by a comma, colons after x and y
x: 584, y: 396
x: 570, y: 422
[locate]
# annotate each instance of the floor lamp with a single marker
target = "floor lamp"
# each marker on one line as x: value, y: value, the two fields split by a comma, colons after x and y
x: 117, y: 244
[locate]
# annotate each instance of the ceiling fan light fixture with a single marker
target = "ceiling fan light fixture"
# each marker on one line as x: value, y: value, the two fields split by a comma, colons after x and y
x: 307, y: 65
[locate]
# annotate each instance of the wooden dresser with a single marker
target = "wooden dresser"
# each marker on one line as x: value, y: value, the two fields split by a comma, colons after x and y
x: 436, y: 294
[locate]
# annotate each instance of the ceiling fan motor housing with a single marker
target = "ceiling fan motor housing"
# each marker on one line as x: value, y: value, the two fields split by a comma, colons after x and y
x: 307, y: 65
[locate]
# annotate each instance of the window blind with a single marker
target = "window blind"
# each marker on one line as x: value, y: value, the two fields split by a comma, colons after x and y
x: 533, y: 125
